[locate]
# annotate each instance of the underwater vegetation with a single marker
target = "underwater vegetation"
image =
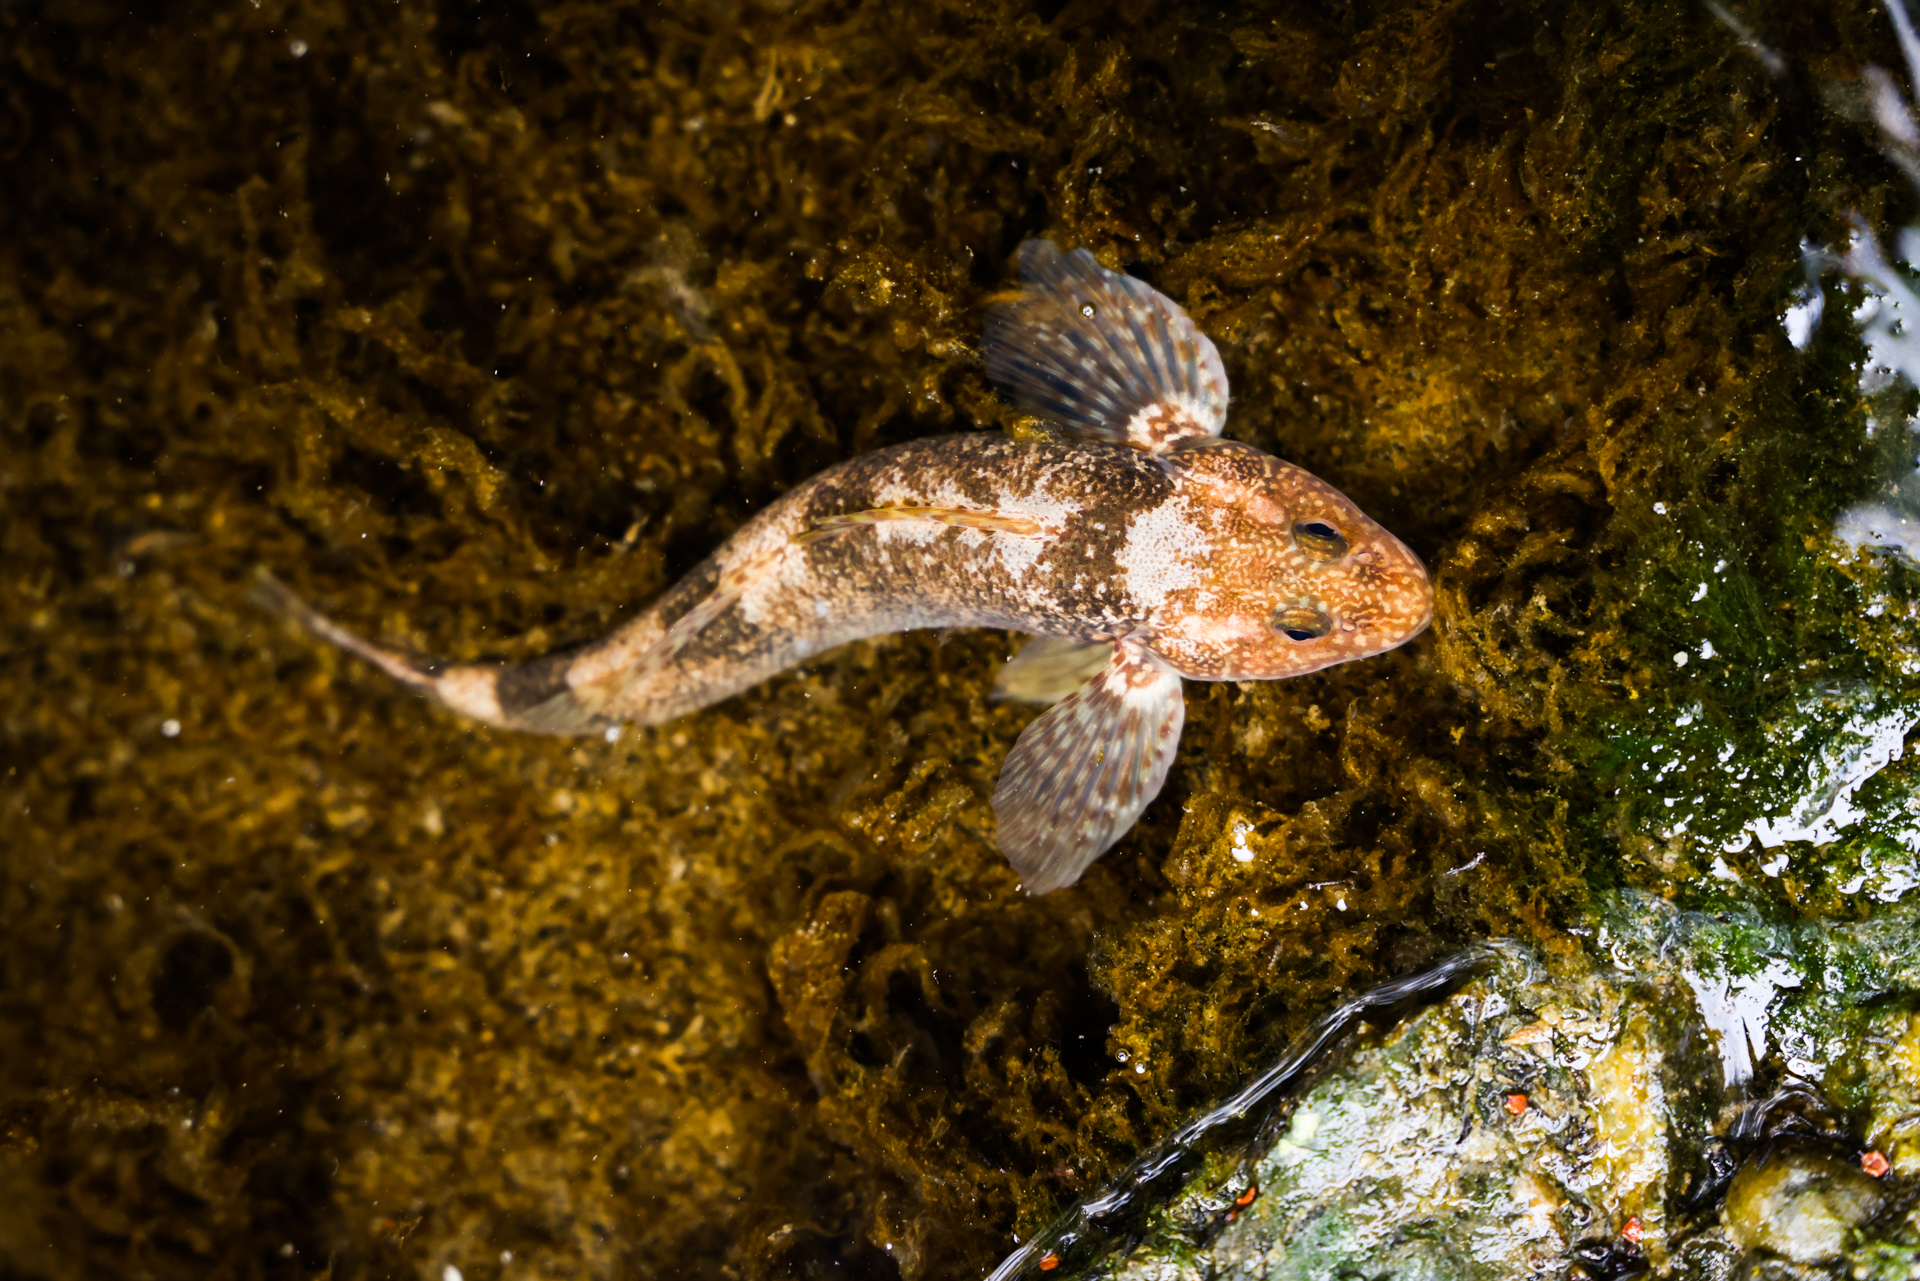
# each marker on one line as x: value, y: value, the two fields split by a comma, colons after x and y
x: 480, y: 324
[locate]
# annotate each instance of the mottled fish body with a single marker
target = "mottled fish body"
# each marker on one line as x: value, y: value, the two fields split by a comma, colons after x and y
x: 1138, y: 545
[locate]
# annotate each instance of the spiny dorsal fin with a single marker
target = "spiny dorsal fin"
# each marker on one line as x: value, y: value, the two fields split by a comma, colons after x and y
x: 1078, y: 777
x: 1104, y: 356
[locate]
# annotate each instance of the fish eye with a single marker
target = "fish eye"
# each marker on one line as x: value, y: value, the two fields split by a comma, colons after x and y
x: 1298, y: 623
x: 1319, y: 540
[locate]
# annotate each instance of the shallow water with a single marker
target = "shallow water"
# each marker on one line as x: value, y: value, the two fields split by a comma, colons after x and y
x: 479, y: 324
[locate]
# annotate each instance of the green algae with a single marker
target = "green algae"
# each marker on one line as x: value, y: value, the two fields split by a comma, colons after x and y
x: 477, y: 324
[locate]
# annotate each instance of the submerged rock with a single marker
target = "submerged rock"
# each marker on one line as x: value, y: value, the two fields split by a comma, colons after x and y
x: 1804, y: 1205
x: 1569, y: 1117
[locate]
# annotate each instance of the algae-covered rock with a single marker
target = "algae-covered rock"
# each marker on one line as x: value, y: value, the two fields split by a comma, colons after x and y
x: 1591, y: 1116
x: 478, y: 324
x: 1803, y: 1206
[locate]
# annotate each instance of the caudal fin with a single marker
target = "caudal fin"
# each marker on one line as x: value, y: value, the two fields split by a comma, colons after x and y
x: 534, y: 697
x: 270, y: 593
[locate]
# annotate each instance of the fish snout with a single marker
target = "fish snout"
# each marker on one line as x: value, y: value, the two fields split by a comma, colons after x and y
x: 1402, y: 594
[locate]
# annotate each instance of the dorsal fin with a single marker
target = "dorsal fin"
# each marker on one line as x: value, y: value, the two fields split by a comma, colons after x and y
x: 1104, y: 356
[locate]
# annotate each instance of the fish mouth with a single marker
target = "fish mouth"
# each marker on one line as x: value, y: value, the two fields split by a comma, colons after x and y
x: 1418, y: 587
x: 1407, y: 635
x: 1381, y: 640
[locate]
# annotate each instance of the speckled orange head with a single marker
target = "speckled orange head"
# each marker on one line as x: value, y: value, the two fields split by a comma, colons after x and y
x: 1299, y: 579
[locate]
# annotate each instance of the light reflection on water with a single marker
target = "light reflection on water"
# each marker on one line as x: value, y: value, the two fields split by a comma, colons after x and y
x: 1736, y: 1008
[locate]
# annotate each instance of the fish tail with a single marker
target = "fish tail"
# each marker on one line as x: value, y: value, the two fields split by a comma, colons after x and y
x: 533, y: 697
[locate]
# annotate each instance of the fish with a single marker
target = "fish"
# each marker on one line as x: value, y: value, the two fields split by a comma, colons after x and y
x: 1137, y: 545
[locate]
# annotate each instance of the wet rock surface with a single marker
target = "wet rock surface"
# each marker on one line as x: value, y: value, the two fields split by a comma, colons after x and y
x: 1802, y: 1205
x: 1567, y: 1118
x: 478, y: 324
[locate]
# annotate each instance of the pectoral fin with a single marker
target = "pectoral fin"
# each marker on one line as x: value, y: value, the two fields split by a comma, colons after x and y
x: 1048, y: 668
x: 1079, y: 776
x: 1104, y: 356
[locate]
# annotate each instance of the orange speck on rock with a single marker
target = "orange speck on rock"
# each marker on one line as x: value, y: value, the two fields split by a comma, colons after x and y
x: 1874, y: 1162
x: 1246, y: 1198
x: 1516, y: 1103
x: 1633, y: 1231
x: 1049, y: 1263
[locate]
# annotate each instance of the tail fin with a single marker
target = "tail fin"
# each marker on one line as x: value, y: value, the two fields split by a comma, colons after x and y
x: 270, y: 593
x: 534, y: 697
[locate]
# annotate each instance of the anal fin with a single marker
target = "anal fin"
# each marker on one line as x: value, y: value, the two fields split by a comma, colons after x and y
x: 1078, y: 778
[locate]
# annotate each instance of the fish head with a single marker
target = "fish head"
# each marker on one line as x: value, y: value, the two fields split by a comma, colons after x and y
x: 1298, y: 577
